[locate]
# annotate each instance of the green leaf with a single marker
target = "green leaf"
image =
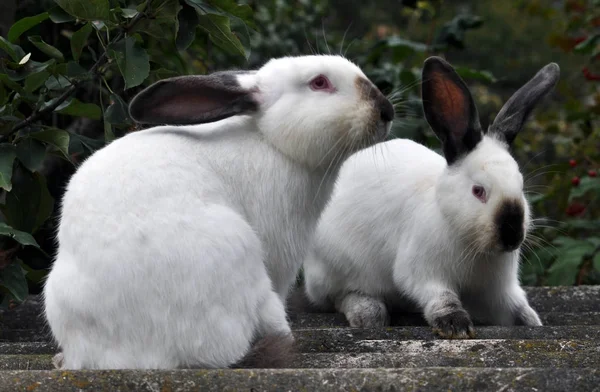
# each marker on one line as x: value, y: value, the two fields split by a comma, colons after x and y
x: 86, y: 9
x: 117, y: 113
x: 571, y: 255
x: 31, y: 153
x: 79, y: 40
x: 400, y: 48
x: 219, y: 30
x: 597, y: 261
x: 36, y: 80
x: 187, y: 21
x: 581, y: 224
x: 482, y: 76
x: 26, y: 70
x: 21, y: 237
x: 56, y: 138
x: 227, y: 8
x: 76, y: 108
x: 57, y: 83
x: 50, y: 50
x: 58, y: 15
x: 586, y: 185
x: 242, y: 11
x: 162, y: 19
x: 12, y: 277
x: 75, y: 70
x: 133, y: 61
x: 34, y: 275
x: 6, y: 81
x: 14, y: 51
x: 8, y: 153
x: 588, y: 45
x: 29, y: 204
x: 129, y: 13
x: 25, y: 24
x: 453, y: 32
x: 81, y: 144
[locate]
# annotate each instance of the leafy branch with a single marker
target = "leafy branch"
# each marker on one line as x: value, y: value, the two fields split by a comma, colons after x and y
x: 37, y: 114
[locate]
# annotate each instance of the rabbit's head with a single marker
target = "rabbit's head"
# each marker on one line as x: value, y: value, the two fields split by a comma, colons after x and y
x: 481, y: 192
x: 314, y: 109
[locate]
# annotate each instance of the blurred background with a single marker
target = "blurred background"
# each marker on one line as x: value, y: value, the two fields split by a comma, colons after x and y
x: 69, y: 67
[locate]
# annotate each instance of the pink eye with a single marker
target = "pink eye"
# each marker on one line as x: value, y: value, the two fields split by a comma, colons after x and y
x: 321, y: 83
x: 479, y: 192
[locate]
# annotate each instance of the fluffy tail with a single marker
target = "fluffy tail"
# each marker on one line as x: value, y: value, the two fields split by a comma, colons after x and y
x: 272, y: 351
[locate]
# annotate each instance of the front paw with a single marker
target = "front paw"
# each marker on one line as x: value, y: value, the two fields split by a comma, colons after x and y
x: 375, y: 319
x: 365, y: 312
x: 454, y: 325
x: 527, y: 316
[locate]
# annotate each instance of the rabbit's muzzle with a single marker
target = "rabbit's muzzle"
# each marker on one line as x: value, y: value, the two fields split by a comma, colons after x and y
x: 383, y: 109
x: 509, y: 225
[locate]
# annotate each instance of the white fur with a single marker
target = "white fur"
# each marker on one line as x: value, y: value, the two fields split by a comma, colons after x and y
x: 178, y: 245
x: 403, y: 225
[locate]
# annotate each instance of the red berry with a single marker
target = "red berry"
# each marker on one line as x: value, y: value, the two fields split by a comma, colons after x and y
x: 592, y: 173
x: 589, y: 75
x: 575, y: 181
x: 575, y: 209
x: 572, y: 162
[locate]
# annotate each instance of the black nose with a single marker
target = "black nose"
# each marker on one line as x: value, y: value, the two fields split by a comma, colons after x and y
x: 509, y: 223
x: 387, y: 111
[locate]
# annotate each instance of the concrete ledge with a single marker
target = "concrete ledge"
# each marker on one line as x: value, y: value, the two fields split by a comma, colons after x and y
x: 427, y: 379
x: 331, y: 320
x: 348, y: 339
x: 345, y: 339
x: 415, y: 353
x: 466, y: 353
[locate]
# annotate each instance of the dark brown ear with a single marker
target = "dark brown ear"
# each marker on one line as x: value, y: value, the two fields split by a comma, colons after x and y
x: 194, y: 99
x: 517, y: 109
x: 449, y: 109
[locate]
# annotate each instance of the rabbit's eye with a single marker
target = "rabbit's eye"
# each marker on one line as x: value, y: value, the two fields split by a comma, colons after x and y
x: 321, y: 83
x: 479, y: 192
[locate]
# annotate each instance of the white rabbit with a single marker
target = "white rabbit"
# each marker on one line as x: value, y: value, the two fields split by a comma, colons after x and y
x: 178, y: 244
x: 406, y: 227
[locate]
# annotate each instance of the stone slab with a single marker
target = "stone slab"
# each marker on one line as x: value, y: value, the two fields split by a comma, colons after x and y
x: 323, y: 380
x: 415, y: 353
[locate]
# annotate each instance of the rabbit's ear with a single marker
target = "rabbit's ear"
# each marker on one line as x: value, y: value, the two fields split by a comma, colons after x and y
x: 449, y: 109
x: 196, y: 99
x: 516, y: 110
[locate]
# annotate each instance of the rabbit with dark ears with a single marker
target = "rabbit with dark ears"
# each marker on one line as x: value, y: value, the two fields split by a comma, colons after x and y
x: 408, y: 227
x: 178, y: 244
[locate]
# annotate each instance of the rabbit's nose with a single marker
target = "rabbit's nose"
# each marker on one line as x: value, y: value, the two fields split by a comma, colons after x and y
x: 387, y: 111
x: 509, y: 221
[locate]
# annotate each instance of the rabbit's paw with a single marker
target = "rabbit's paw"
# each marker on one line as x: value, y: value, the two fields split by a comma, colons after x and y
x: 454, y: 325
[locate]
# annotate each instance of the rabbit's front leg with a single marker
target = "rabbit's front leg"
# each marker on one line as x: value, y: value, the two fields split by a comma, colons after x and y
x: 444, y: 311
x: 514, y: 305
x: 363, y: 311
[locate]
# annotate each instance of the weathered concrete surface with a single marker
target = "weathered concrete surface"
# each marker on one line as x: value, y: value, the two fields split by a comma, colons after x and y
x: 563, y: 355
x: 468, y: 353
x: 348, y: 339
x: 564, y: 299
x: 331, y: 320
x: 415, y: 353
x: 345, y: 339
x: 430, y: 379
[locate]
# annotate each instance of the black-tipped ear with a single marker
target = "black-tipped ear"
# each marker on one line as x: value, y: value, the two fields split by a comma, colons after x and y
x: 449, y: 109
x: 517, y: 109
x: 193, y: 99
